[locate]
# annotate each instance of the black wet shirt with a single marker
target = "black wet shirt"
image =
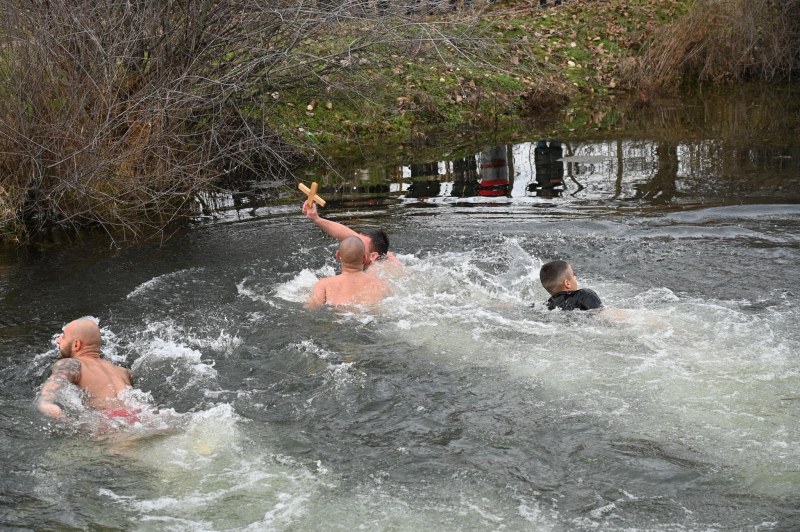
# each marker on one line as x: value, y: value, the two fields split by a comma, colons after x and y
x: 583, y: 299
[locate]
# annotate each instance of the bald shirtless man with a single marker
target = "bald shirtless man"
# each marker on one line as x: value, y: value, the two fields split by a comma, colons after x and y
x: 79, y: 363
x: 352, y: 287
x: 379, y: 260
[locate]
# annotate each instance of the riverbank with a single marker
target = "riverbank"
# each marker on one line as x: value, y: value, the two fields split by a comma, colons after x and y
x: 131, y: 132
x: 507, y: 62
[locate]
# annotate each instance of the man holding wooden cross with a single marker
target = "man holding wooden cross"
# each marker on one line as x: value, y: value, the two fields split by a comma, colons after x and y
x: 378, y: 259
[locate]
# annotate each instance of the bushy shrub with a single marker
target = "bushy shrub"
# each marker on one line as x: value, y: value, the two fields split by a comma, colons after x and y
x: 726, y: 40
x: 116, y: 113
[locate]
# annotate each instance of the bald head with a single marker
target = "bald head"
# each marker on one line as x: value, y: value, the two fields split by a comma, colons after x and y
x: 351, y: 252
x: 81, y: 335
x: 86, y: 329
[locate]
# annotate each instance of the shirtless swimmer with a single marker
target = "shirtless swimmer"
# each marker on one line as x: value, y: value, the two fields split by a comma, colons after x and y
x: 79, y: 363
x: 353, y: 286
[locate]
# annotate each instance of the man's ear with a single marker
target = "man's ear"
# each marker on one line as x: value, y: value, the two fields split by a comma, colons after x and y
x: 338, y: 256
x: 567, y: 285
x: 77, y: 344
x: 371, y: 257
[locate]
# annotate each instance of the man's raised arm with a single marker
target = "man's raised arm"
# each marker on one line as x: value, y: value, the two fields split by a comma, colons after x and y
x: 331, y: 228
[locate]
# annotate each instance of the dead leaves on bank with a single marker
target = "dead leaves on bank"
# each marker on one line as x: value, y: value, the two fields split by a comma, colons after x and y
x: 584, y: 41
x: 517, y: 59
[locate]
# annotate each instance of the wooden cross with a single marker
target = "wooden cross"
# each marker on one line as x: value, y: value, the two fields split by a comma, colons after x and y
x: 312, y: 194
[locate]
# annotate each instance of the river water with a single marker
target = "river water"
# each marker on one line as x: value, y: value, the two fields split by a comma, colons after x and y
x: 462, y: 403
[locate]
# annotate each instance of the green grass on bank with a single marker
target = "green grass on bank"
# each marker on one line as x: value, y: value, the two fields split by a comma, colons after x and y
x: 515, y: 61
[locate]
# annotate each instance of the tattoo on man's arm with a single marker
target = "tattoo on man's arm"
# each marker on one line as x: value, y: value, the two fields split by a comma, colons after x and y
x: 68, y: 370
x: 64, y: 371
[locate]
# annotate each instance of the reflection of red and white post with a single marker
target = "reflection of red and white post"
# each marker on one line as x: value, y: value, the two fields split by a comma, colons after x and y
x: 494, y: 172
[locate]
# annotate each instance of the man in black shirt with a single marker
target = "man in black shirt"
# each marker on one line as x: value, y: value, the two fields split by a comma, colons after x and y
x: 559, y: 280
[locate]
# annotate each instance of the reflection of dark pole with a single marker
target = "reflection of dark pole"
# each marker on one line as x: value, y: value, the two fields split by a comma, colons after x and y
x: 618, y: 187
x: 510, y: 161
x: 547, y: 160
x: 667, y: 169
x: 570, y: 153
x: 572, y: 170
x: 422, y: 186
x: 424, y: 169
x: 465, y: 169
x: 662, y: 188
x: 465, y: 177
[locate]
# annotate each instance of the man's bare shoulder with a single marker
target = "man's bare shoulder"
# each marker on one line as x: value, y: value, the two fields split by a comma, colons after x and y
x: 123, y: 373
x: 327, y: 281
x: 68, y: 369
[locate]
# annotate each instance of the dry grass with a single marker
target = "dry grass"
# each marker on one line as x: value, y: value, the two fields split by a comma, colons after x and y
x: 724, y: 41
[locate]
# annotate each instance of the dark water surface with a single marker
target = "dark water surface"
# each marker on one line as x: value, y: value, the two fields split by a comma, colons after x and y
x: 458, y: 406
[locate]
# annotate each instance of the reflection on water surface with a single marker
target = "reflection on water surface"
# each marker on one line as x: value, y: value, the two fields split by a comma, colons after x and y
x: 643, y: 172
x: 619, y: 173
x: 721, y: 147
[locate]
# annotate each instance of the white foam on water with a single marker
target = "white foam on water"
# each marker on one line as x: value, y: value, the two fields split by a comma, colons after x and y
x: 211, y: 475
x: 210, y: 461
x: 245, y: 291
x: 288, y: 508
x: 162, y: 280
x: 164, y: 342
x: 298, y: 288
x: 219, y: 335
x: 159, y: 348
x: 709, y: 376
x: 374, y: 504
x: 310, y: 347
x: 342, y: 375
x: 225, y: 342
x: 532, y: 512
x: 110, y: 346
